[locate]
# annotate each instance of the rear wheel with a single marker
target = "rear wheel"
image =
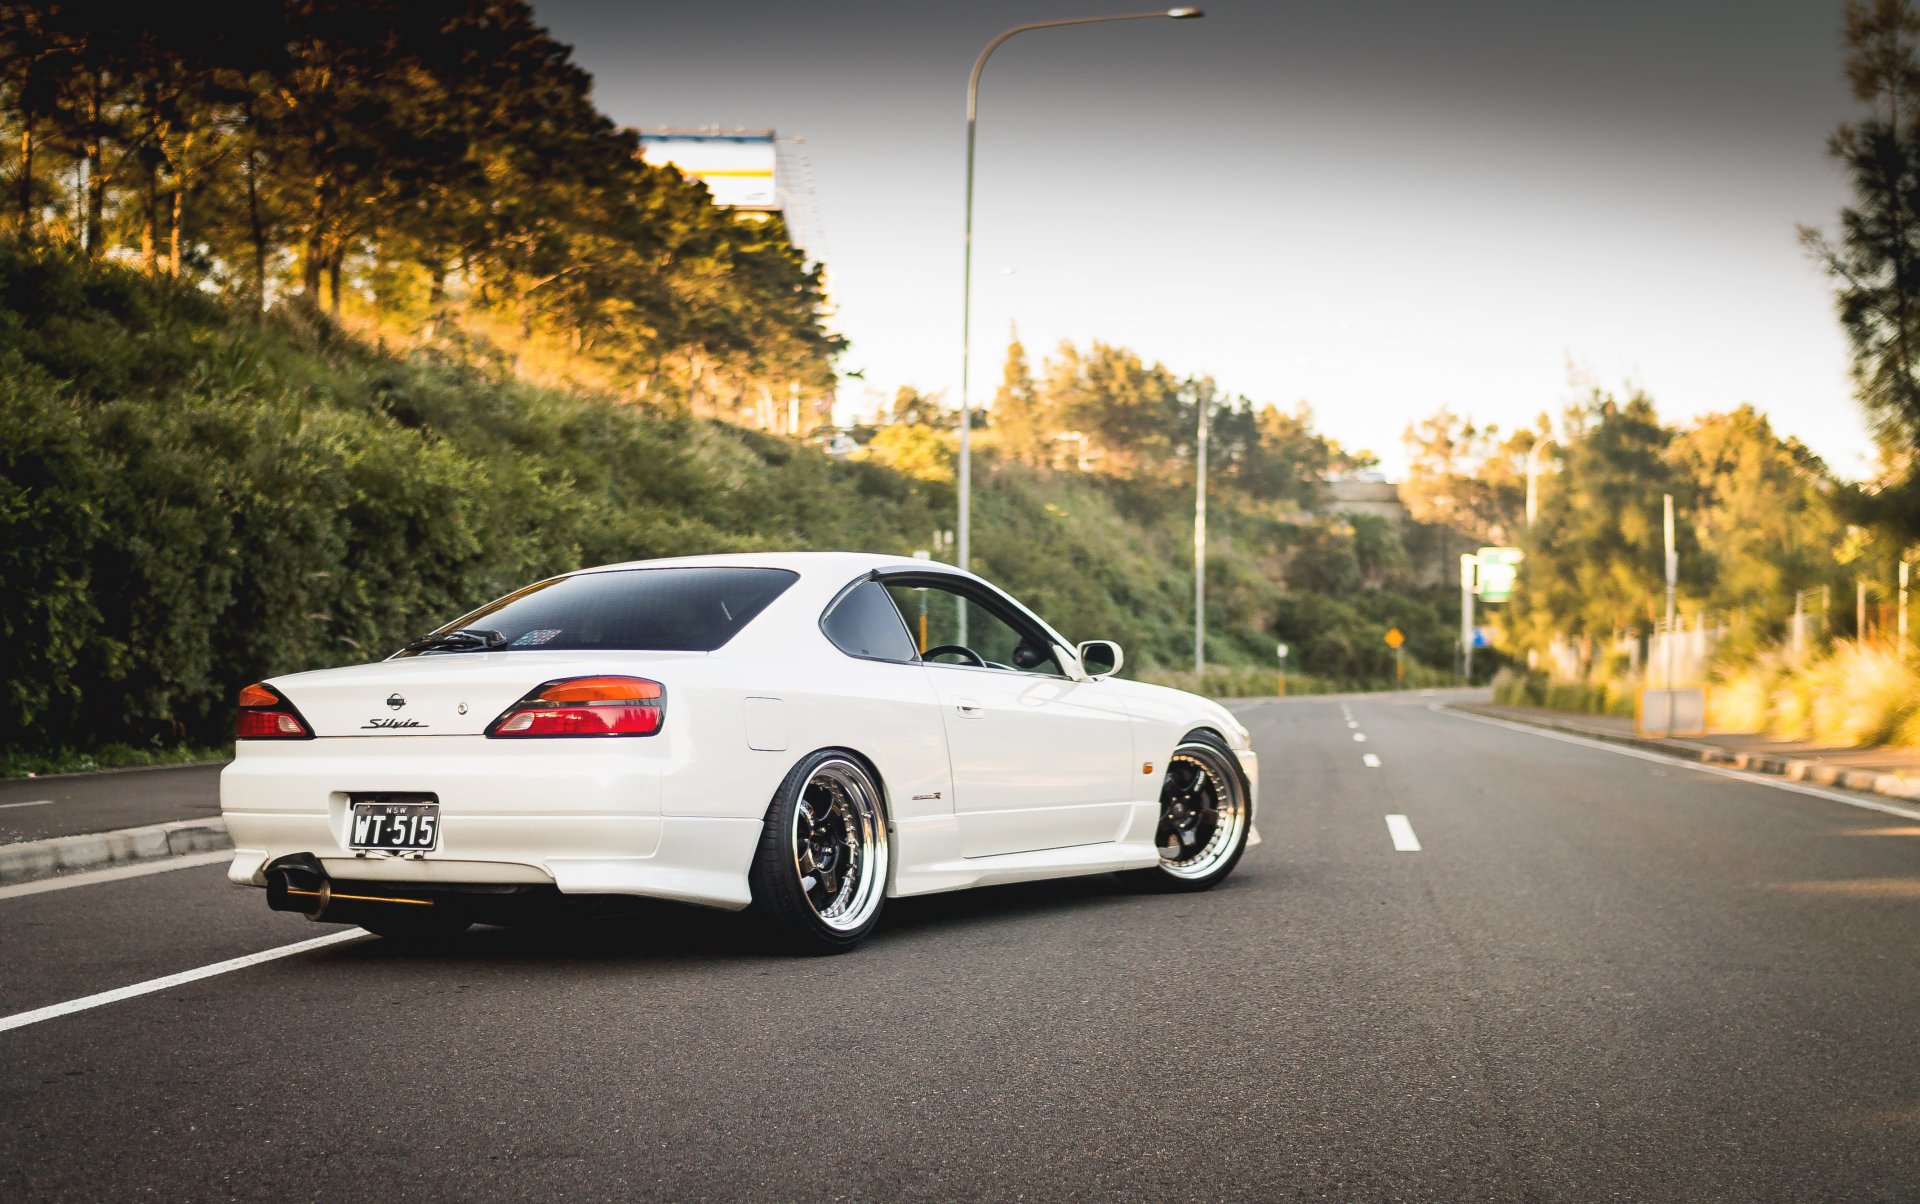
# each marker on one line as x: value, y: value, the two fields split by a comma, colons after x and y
x: 1205, y: 817
x: 819, y: 876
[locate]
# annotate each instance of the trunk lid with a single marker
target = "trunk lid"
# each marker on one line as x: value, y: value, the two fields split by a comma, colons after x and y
x: 447, y: 694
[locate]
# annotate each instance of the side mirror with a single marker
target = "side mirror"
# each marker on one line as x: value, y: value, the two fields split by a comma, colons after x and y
x: 1101, y: 658
x: 1029, y: 655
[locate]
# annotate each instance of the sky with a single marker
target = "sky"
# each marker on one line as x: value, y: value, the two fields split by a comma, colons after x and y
x: 1376, y: 208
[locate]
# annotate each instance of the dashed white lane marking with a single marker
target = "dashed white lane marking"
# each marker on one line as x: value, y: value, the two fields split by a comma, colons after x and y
x: 1370, y: 761
x: 1359, y: 737
x: 1353, y: 723
x: 1404, y: 841
x: 53, y: 1011
x: 39, y: 802
x: 1738, y: 775
x: 115, y: 874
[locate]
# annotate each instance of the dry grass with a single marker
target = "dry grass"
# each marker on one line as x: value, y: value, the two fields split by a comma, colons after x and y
x: 1856, y: 695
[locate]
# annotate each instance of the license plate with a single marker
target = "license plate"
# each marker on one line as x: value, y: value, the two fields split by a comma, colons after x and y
x: 393, y: 823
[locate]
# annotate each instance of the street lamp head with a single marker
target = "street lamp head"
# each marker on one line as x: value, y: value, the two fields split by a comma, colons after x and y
x: 1185, y: 14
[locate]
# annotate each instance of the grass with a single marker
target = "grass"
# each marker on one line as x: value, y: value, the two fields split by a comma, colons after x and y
x: 15, y: 764
x: 1854, y: 695
x: 1246, y: 681
x: 1518, y: 688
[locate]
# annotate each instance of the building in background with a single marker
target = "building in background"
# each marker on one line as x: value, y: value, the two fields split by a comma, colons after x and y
x: 756, y: 174
x: 748, y: 171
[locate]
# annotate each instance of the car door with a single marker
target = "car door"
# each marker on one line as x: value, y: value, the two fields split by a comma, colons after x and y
x: 1040, y: 760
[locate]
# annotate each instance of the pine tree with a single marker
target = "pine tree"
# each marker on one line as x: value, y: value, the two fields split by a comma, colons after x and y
x: 1018, y: 412
x: 1875, y: 258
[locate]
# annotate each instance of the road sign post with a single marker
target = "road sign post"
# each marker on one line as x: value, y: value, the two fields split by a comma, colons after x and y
x: 1395, y: 639
x: 1280, y: 653
x: 1469, y: 565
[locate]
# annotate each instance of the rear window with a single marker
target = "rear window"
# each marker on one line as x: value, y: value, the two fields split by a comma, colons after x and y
x: 662, y: 610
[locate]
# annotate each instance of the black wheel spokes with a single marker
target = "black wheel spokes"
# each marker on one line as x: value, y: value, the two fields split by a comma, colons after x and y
x: 826, y: 847
x: 1191, y: 809
x: 839, y: 845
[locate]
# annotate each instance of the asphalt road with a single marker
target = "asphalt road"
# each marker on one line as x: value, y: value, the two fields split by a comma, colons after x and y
x: 71, y: 804
x: 1600, y: 977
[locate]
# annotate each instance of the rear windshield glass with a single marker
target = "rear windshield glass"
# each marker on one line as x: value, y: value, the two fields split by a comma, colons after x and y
x: 667, y: 610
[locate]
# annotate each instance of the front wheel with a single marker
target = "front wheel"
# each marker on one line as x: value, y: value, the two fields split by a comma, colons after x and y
x: 1205, y: 816
x: 819, y: 876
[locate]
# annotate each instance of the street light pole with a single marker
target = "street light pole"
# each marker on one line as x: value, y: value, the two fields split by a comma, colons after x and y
x: 964, y: 548
x: 1200, y: 544
x: 1533, y: 473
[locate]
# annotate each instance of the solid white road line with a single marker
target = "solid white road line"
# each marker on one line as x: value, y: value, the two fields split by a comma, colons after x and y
x: 1738, y: 775
x: 39, y: 802
x: 1370, y: 761
x: 1404, y: 841
x: 22, y: 1019
x: 115, y: 873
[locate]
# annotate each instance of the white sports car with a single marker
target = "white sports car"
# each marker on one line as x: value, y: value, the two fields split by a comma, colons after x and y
x: 807, y: 734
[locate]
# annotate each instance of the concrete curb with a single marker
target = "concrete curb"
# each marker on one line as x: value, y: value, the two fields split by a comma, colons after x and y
x: 1799, y: 769
x: 31, y: 859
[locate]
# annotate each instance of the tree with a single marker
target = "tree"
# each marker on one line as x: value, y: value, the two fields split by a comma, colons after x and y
x: 1764, y: 513
x: 1465, y: 477
x: 1131, y: 413
x: 1875, y: 257
x: 441, y: 158
x: 1594, y: 560
x: 1286, y: 459
x: 1019, y: 414
x: 911, y: 407
x: 914, y: 449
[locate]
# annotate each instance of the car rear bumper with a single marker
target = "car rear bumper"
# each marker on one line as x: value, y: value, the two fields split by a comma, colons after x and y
x: 584, y: 819
x: 693, y: 860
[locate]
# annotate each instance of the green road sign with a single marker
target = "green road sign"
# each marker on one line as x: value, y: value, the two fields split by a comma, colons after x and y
x: 1494, y: 573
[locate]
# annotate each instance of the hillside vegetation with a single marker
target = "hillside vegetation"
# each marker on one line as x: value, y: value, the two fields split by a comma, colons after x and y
x: 192, y: 498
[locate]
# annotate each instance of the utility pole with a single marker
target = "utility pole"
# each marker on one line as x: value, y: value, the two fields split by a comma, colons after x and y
x: 1798, y: 644
x: 1901, y: 619
x: 1533, y: 472
x: 1200, y: 546
x: 1673, y: 577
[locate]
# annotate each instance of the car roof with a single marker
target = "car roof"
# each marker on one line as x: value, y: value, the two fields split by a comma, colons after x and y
x: 841, y: 564
x: 832, y: 568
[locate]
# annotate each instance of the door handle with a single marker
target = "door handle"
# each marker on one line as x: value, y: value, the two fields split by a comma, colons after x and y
x: 969, y: 709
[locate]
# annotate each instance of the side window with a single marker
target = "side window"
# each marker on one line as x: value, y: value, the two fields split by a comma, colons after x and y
x: 933, y: 615
x: 864, y: 623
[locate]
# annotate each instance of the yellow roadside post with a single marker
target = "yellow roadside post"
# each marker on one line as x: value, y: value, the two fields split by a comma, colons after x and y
x: 1395, y: 638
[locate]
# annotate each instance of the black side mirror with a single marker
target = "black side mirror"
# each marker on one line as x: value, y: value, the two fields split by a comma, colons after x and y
x: 1029, y: 655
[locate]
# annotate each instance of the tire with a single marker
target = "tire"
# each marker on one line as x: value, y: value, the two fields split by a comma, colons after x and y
x: 1205, y: 819
x: 819, y: 876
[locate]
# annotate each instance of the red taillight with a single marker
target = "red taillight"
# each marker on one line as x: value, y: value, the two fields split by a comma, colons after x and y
x: 586, y: 706
x: 266, y: 715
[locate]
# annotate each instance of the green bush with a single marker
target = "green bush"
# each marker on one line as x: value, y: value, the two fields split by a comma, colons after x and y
x: 1524, y: 688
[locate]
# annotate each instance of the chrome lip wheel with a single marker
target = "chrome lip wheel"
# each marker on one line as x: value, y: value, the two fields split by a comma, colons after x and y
x: 1203, y: 812
x: 839, y: 851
